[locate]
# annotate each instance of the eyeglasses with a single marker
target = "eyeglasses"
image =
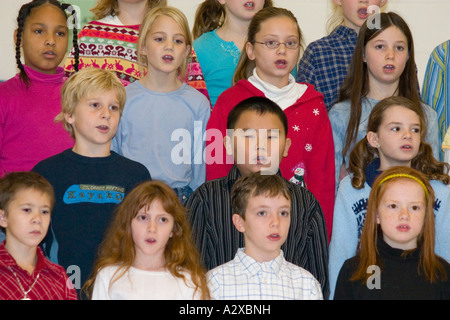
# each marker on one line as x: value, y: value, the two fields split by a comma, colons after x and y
x: 275, y: 44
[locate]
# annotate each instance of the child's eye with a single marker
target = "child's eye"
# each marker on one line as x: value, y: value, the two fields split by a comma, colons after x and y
x: 27, y: 210
x: 141, y: 217
x: 45, y: 211
x: 392, y: 206
x: 163, y: 219
x: 114, y: 108
x: 416, y: 130
x: 159, y: 39
x: 61, y: 34
x: 379, y: 46
x: 415, y: 207
x: 284, y: 213
x: 179, y: 41
x: 400, y: 48
x: 94, y: 105
x: 38, y: 31
x: 261, y: 213
x: 395, y: 128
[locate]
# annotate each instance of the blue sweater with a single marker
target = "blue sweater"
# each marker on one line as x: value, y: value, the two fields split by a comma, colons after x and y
x: 164, y: 131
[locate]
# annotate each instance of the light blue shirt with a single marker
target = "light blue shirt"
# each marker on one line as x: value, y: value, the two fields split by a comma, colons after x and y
x: 164, y: 131
x: 218, y: 60
x: 339, y: 116
x: 244, y: 278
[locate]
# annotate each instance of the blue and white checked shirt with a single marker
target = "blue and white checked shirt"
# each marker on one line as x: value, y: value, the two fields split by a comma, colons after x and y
x: 244, y: 278
x: 436, y: 86
x: 325, y: 62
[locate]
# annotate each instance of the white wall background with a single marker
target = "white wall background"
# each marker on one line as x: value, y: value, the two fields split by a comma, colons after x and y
x: 429, y: 22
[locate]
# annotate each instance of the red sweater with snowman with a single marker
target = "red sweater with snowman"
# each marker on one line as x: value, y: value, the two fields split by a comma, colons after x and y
x: 310, y: 160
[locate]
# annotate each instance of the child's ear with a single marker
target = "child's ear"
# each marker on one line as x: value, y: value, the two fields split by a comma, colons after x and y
x: 372, y: 138
x: 228, y: 144
x: 188, y: 50
x: 286, y: 147
x: 69, y: 118
x: 238, y: 222
x: 249, y: 50
x: 3, y: 220
x: 15, y: 36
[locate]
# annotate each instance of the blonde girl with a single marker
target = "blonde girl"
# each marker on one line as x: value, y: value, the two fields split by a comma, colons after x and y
x: 219, y: 31
x: 395, y: 137
x: 395, y: 257
x: 110, y: 42
x: 147, y: 252
x: 271, y: 52
x: 146, y: 133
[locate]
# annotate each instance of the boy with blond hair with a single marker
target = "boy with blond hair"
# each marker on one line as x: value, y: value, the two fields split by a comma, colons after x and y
x: 89, y: 180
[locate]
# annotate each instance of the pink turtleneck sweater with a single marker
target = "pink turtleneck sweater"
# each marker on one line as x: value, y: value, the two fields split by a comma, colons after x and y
x: 28, y: 133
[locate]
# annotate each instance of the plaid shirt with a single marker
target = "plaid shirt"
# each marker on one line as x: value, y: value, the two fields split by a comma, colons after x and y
x: 325, y: 62
x: 244, y: 278
x: 53, y: 283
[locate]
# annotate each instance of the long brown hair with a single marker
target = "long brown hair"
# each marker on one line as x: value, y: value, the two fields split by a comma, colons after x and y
x: 363, y: 153
x: 105, y: 8
x: 118, y: 248
x: 356, y: 85
x: 211, y: 15
x: 429, y: 265
x: 245, y: 66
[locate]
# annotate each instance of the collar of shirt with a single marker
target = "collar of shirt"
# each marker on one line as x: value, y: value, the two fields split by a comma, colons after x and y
x: 253, y: 267
x: 344, y: 32
x: 8, y: 261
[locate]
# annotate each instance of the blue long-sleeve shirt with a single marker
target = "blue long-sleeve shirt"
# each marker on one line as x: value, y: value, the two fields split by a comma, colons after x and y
x: 164, y: 131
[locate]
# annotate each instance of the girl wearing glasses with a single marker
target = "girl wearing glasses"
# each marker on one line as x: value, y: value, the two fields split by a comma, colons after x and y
x: 271, y: 52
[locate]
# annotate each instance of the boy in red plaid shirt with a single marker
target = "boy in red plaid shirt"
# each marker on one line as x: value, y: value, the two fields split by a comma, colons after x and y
x: 26, y: 200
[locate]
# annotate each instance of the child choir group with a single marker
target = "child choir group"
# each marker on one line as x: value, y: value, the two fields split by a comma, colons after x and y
x: 317, y: 175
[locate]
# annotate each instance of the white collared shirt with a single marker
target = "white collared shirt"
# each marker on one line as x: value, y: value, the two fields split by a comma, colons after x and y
x: 244, y: 278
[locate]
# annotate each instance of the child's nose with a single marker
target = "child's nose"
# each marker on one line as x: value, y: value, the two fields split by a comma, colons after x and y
x: 50, y: 41
x: 106, y: 113
x: 36, y: 219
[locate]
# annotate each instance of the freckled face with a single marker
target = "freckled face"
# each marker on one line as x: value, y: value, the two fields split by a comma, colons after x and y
x: 401, y: 213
